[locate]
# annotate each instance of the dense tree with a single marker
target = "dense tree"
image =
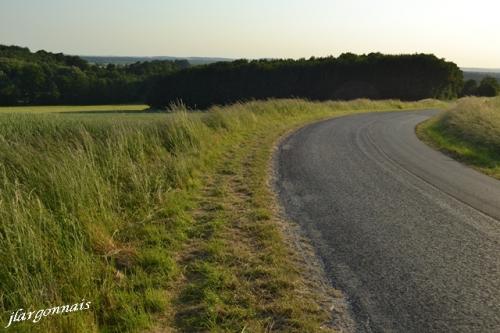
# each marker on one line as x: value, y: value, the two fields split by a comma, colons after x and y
x: 488, y: 87
x: 48, y: 78
x: 470, y: 88
x: 377, y: 76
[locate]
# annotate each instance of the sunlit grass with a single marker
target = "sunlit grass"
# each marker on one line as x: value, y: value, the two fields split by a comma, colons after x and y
x: 136, y: 214
x: 469, y: 132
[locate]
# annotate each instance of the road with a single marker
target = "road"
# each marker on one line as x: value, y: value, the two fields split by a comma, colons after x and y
x: 411, y: 236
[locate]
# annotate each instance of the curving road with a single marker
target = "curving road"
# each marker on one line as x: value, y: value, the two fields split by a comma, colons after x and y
x: 410, y: 235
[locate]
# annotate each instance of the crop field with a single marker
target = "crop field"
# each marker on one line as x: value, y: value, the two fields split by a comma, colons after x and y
x: 161, y: 221
x: 75, y: 109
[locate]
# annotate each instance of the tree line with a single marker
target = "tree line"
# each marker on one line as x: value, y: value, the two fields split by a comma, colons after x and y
x: 38, y: 78
x: 349, y: 76
x: 42, y: 78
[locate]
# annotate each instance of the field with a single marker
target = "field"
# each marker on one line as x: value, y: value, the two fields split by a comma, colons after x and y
x: 470, y: 132
x: 74, y: 109
x: 163, y: 221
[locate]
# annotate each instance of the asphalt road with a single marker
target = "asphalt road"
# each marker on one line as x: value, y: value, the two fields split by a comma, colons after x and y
x: 410, y: 235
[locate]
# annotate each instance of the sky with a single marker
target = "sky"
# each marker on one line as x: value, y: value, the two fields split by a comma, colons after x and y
x: 466, y: 32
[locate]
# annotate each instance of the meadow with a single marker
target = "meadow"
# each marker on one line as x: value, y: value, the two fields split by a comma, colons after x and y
x: 75, y: 109
x: 469, y: 132
x: 164, y: 221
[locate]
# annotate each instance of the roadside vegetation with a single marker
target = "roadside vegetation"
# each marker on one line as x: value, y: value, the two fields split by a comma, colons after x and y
x: 165, y: 222
x: 470, y: 132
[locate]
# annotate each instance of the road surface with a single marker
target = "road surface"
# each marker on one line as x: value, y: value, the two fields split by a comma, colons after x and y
x: 411, y: 236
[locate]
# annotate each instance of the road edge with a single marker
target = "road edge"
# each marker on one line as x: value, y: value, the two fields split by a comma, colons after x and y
x: 333, y: 300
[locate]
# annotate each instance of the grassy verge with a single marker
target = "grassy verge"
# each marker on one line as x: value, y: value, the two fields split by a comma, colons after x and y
x: 469, y: 132
x: 163, y: 222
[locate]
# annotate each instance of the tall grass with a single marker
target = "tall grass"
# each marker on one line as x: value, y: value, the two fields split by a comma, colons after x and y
x: 74, y: 195
x: 476, y: 120
x: 470, y: 132
x: 97, y: 207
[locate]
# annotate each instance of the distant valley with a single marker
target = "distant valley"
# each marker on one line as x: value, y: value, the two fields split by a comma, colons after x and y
x: 125, y: 60
x: 479, y: 73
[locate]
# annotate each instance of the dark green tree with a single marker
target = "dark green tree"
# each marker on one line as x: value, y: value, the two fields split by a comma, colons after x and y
x: 350, y: 76
x: 50, y: 78
x: 470, y: 88
x: 488, y: 87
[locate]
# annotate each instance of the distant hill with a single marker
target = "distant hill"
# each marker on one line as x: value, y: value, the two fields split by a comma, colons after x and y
x: 121, y: 60
x: 479, y: 73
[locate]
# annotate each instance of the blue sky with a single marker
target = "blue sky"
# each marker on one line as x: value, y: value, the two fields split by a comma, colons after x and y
x: 466, y: 32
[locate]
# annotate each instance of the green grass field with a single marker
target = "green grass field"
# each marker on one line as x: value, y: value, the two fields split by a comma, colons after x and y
x: 470, y: 132
x: 72, y: 108
x: 165, y: 222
